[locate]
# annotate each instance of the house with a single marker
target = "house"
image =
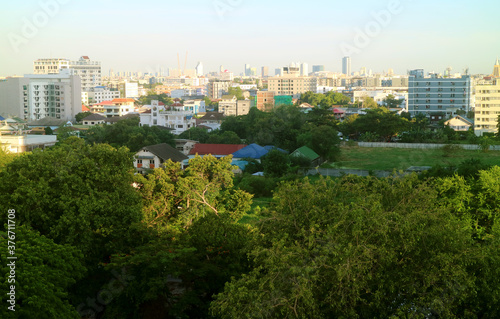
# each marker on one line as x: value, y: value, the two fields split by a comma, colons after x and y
x: 339, y: 114
x: 308, y: 153
x: 459, y: 123
x: 175, y: 118
x: 185, y: 146
x: 153, y: 156
x: 48, y: 121
x: 116, y: 107
x: 211, y: 120
x: 93, y: 119
x: 216, y: 150
x: 254, y: 151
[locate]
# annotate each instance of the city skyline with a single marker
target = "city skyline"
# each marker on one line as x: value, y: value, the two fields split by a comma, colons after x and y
x: 378, y: 35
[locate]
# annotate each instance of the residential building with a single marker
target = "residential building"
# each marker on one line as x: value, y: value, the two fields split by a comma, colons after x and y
x: 434, y: 94
x: 346, y: 66
x: 199, y: 69
x: 154, y: 156
x: 26, y: 143
x: 228, y: 105
x: 306, y: 152
x: 292, y: 84
x: 93, y: 119
x: 175, y: 117
x: 36, y: 96
x: 185, y: 146
x: 487, y: 108
x: 283, y: 100
x: 101, y: 93
x: 265, y: 101
x: 50, y: 66
x: 116, y: 107
x: 216, y: 89
x: 89, y: 71
x: 131, y: 90
x: 459, y: 123
x: 195, y: 106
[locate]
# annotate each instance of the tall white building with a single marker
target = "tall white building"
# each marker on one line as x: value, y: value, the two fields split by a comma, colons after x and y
x: 49, y: 66
x: 36, y: 96
x: 199, y: 69
x: 346, y: 66
x: 304, y: 69
x: 101, y: 93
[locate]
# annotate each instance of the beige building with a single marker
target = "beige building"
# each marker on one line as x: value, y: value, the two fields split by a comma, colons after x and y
x: 487, y: 108
x: 116, y: 107
x: 291, y: 84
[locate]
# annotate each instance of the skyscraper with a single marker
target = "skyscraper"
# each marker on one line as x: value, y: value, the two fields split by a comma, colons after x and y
x: 318, y: 68
x: 496, y: 69
x: 304, y: 69
x: 265, y: 71
x: 346, y: 65
x: 199, y: 69
x: 247, y: 70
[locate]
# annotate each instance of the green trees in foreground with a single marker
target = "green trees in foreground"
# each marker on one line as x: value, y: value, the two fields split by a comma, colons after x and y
x: 98, y: 241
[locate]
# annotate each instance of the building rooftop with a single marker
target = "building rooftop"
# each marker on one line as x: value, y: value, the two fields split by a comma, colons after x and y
x: 216, y: 149
x: 166, y: 152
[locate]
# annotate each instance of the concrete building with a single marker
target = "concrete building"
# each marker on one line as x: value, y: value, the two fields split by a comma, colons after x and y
x: 116, y: 107
x: 36, y: 96
x: 101, y: 93
x: 175, y: 118
x: 130, y: 90
x: 318, y: 68
x: 346, y: 66
x: 154, y: 156
x: 50, y: 66
x: 26, y: 143
x: 264, y: 101
x: 487, y: 108
x: 496, y: 69
x: 216, y: 89
x: 199, y: 69
x: 304, y: 69
x: 89, y: 72
x: 265, y: 71
x: 434, y: 94
x: 292, y: 85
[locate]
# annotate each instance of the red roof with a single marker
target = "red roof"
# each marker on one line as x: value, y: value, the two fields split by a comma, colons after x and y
x: 216, y: 149
x: 85, y: 109
x: 338, y: 111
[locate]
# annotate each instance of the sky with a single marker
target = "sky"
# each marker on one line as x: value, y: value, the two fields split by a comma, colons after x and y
x: 142, y: 36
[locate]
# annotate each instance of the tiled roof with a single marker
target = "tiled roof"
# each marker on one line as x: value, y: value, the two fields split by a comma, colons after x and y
x: 115, y: 119
x: 213, y: 116
x: 48, y: 121
x: 105, y: 103
x: 123, y: 100
x: 216, y: 149
x: 85, y: 109
x: 166, y: 152
x: 94, y: 117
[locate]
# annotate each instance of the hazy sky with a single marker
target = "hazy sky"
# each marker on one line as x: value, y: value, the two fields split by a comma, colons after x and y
x: 131, y: 35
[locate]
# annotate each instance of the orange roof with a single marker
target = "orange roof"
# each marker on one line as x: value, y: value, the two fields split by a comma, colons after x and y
x: 85, y: 109
x: 216, y: 149
x: 123, y: 100
x: 105, y: 103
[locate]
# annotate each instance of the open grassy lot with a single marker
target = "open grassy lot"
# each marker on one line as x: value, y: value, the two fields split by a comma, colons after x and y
x: 401, y: 159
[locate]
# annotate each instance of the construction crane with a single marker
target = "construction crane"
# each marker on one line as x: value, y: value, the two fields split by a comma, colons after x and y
x: 185, y: 63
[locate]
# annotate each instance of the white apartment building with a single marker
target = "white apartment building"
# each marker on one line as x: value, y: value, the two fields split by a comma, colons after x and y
x: 101, y: 93
x: 487, y: 108
x: 89, y: 71
x: 131, y: 90
x: 292, y: 85
x: 116, y: 107
x: 175, y: 118
x: 36, y: 96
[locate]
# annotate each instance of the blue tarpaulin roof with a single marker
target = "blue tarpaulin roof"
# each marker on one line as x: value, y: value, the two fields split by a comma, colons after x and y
x: 251, y: 151
x: 1, y: 118
x: 272, y: 147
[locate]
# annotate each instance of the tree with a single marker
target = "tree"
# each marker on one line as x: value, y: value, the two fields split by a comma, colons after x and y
x: 369, y: 102
x: 325, y: 141
x: 44, y: 271
x: 74, y: 194
x: 5, y: 157
x: 276, y: 163
x: 80, y: 116
x: 391, y: 102
x: 195, y: 133
x: 236, y: 91
x: 355, y: 248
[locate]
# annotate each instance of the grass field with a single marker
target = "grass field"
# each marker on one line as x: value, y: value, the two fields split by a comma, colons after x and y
x: 401, y: 159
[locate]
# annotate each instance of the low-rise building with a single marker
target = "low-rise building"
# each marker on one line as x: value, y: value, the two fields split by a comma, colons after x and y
x: 154, y: 156
x: 459, y: 123
x: 175, y: 117
x: 93, y: 119
x: 26, y: 143
x: 116, y: 107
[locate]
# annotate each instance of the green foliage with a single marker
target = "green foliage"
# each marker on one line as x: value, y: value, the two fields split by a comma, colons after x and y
x: 324, y: 100
x: 391, y: 102
x: 236, y: 91
x: 5, y: 158
x: 259, y: 186
x: 356, y: 248
x: 227, y: 137
x: 48, y: 131
x: 276, y: 163
x: 146, y: 99
x: 195, y: 133
x: 80, y: 116
x: 43, y: 272
x: 128, y: 133
x: 74, y: 194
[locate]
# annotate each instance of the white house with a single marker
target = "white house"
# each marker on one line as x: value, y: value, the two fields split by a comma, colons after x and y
x: 153, y: 156
x: 175, y: 117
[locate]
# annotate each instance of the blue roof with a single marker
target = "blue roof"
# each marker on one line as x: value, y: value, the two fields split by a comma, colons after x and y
x: 251, y: 151
x: 1, y: 118
x: 241, y: 164
x: 272, y: 147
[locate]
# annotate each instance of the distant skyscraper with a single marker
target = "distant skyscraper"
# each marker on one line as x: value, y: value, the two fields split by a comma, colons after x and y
x: 304, y: 69
x: 362, y: 71
x: 496, y: 69
x: 221, y: 69
x: 278, y: 72
x: 247, y: 70
x: 318, y: 68
x: 265, y: 71
x: 346, y: 65
x: 199, y: 69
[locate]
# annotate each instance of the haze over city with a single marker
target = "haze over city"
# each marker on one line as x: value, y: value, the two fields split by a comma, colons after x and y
x: 144, y: 36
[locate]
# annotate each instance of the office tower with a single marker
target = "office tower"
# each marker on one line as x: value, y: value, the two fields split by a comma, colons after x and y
x: 346, y: 65
x: 318, y: 68
x: 265, y: 71
x: 304, y: 69
x: 496, y: 69
x: 199, y: 69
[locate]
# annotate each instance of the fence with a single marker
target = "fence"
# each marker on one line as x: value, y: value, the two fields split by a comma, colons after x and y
x: 424, y: 146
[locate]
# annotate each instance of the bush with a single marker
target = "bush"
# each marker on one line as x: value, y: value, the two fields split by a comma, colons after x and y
x: 259, y: 186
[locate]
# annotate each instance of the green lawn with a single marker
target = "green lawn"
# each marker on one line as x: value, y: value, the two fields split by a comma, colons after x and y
x: 401, y: 159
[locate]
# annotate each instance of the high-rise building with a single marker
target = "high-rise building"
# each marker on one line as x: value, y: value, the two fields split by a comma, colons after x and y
x: 433, y: 94
x: 265, y: 71
x: 278, y: 72
x: 496, y: 69
x: 49, y: 66
x: 304, y: 69
x: 487, y: 108
x: 247, y: 70
x: 346, y: 66
x: 36, y: 96
x: 199, y: 69
x: 318, y: 68
x: 216, y: 89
